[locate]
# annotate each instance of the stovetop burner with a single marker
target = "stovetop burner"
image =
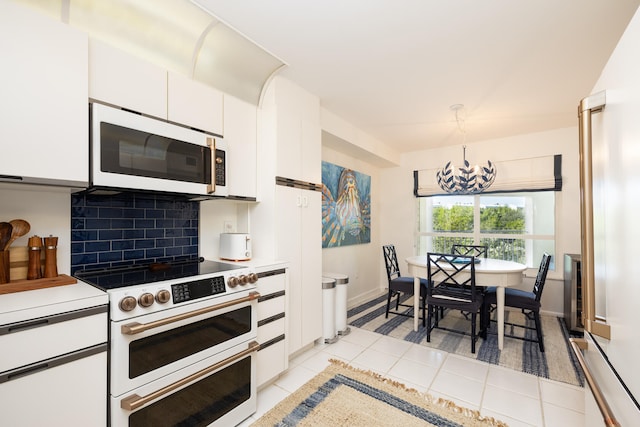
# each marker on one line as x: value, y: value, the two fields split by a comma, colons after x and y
x: 120, y: 277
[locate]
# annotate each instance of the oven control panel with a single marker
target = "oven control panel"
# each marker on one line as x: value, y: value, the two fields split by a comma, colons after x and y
x: 132, y: 301
x: 189, y: 291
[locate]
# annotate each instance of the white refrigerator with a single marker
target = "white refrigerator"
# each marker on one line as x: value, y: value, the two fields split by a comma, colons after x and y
x: 610, y: 211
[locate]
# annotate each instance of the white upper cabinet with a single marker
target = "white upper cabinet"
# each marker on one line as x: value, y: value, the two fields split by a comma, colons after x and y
x: 299, y: 140
x: 119, y: 78
x: 240, y: 135
x: 43, y: 107
x: 194, y: 104
x: 124, y: 80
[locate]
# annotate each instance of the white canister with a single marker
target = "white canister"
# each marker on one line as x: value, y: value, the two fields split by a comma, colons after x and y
x: 235, y: 246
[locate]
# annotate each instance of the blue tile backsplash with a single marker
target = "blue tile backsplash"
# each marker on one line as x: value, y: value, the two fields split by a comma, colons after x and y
x: 131, y: 228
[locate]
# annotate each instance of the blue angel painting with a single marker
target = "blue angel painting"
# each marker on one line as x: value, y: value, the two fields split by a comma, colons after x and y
x: 346, y: 206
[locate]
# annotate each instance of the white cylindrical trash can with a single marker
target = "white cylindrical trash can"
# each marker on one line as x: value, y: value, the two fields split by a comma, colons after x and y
x: 328, y: 310
x: 342, y: 280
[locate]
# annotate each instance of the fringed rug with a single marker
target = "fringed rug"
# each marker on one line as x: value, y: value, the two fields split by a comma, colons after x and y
x: 556, y: 363
x: 342, y: 395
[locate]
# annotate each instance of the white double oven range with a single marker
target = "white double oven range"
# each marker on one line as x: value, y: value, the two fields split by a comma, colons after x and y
x: 182, y: 343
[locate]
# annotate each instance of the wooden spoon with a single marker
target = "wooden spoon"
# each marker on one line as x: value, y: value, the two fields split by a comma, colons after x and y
x: 5, y: 234
x: 20, y: 228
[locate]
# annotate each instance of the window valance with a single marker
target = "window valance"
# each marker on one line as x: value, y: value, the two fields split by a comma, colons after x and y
x: 529, y: 174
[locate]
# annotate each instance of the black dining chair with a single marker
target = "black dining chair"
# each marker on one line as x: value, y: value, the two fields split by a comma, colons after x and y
x: 478, y: 251
x: 452, y: 284
x: 527, y: 302
x: 470, y: 250
x: 401, y: 285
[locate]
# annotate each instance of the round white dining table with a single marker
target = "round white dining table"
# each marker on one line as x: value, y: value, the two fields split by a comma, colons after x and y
x: 489, y: 272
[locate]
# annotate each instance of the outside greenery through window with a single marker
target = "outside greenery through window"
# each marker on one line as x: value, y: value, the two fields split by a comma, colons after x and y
x: 516, y: 226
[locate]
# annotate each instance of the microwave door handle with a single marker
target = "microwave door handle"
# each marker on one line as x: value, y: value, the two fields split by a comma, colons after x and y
x: 211, y: 188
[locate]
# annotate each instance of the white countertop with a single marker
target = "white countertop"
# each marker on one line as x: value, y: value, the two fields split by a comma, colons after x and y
x: 259, y: 264
x: 21, y: 306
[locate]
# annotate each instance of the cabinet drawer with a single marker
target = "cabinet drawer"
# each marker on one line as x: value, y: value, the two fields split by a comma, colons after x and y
x: 271, y: 307
x: 271, y: 362
x: 269, y: 284
x: 28, y: 342
x: 271, y: 330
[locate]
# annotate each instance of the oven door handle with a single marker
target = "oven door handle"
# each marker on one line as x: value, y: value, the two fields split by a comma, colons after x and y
x: 136, y: 328
x: 133, y: 402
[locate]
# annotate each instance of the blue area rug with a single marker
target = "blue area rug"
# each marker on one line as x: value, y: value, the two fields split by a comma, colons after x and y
x: 345, y: 396
x: 556, y: 363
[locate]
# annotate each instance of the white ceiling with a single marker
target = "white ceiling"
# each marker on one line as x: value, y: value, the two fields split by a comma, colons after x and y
x: 394, y: 67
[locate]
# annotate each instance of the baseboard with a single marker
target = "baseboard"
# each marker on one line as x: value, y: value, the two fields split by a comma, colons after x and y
x: 362, y: 298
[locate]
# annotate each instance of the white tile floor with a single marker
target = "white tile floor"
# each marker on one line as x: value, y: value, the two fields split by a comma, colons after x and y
x: 516, y: 398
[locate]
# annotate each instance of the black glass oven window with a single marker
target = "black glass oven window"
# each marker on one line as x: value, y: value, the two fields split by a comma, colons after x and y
x: 132, y: 152
x: 152, y: 352
x: 201, y: 403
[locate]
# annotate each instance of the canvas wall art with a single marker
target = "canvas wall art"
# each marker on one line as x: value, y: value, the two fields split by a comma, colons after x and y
x: 346, y: 206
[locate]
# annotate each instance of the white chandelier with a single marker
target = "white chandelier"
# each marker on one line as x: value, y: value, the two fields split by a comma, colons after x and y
x: 465, y: 179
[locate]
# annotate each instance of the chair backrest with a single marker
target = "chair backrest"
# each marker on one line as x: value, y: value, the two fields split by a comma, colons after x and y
x: 542, y: 275
x: 452, y: 276
x: 470, y: 250
x: 391, y: 262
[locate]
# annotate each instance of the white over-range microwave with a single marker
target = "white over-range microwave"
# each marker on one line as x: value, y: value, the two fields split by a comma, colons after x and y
x: 129, y: 151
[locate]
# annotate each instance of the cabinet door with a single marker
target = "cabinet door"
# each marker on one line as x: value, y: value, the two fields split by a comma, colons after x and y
x: 194, y: 104
x: 71, y: 394
x: 311, y: 265
x: 121, y: 79
x: 43, y: 107
x: 299, y: 241
x: 289, y: 150
x: 289, y: 202
x: 240, y: 134
x: 298, y: 133
x: 311, y: 154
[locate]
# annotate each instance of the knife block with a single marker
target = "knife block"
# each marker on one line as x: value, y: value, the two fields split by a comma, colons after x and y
x: 19, y: 262
x: 5, y: 267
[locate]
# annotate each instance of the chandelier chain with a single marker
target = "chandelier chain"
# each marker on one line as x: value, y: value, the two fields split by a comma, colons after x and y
x: 465, y: 179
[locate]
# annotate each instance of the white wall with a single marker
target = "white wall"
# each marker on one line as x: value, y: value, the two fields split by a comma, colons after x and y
x: 397, y: 205
x: 214, y: 215
x: 48, y: 212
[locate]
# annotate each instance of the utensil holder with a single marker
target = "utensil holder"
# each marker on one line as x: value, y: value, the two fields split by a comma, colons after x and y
x: 5, y: 270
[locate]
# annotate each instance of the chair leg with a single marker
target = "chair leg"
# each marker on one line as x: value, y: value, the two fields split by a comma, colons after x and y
x: 430, y: 308
x: 536, y: 318
x: 473, y: 333
x: 484, y: 321
x: 386, y: 316
x: 424, y: 319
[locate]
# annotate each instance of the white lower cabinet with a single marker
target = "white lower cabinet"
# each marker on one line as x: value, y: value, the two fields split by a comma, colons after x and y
x: 272, y: 328
x: 53, y: 368
x: 299, y: 231
x: 71, y: 394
